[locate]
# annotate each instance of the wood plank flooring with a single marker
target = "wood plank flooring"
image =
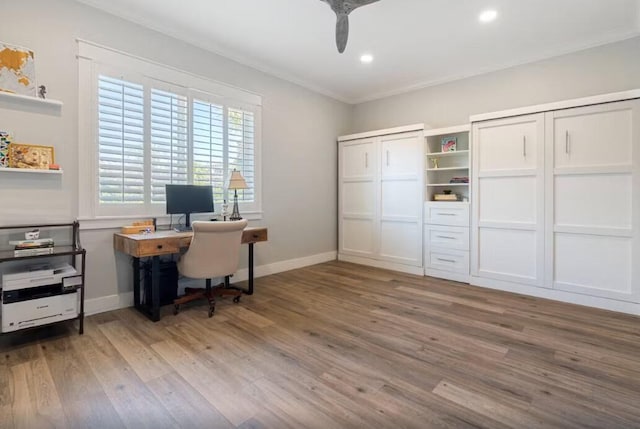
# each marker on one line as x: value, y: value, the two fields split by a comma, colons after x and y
x: 335, y: 345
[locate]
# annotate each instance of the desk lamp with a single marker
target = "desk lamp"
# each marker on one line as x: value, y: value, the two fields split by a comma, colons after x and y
x: 236, y: 182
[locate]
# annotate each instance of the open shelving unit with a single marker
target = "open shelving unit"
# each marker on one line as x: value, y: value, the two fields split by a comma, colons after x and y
x: 442, y: 167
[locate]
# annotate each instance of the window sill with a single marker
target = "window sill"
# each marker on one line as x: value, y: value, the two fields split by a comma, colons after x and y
x: 116, y: 222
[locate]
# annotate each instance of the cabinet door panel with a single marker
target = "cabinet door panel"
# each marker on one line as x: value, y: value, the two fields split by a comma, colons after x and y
x: 596, y: 265
x: 508, y: 199
x: 401, y: 155
x: 593, y: 136
x: 358, y: 236
x: 400, y: 198
x: 358, y: 159
x: 358, y: 198
x: 509, y: 254
x: 600, y: 200
x: 508, y: 145
x: 401, y: 242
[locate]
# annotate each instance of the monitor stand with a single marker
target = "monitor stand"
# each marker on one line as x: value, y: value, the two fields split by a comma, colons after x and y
x: 187, y: 226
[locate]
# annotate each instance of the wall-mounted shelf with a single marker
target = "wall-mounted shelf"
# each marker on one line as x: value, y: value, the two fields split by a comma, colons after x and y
x: 29, y: 170
x: 444, y: 167
x: 26, y: 99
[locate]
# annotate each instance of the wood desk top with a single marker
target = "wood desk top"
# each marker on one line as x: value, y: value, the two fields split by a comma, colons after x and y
x: 168, y: 242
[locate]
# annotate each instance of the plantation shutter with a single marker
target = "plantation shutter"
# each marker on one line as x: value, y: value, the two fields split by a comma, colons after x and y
x: 120, y: 141
x: 169, y: 142
x: 241, y: 138
x: 209, y: 165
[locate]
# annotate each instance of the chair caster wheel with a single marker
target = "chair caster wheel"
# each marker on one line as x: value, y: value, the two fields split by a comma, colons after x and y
x: 176, y: 309
x: 211, y: 310
x: 236, y: 299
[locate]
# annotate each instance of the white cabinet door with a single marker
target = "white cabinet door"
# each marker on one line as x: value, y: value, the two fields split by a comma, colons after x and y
x: 401, y: 155
x: 358, y: 196
x: 508, y: 200
x: 593, y: 136
x: 593, y: 200
x: 508, y: 144
x: 401, y: 196
x: 357, y: 159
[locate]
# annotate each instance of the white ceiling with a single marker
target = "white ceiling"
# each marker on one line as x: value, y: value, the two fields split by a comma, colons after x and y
x: 416, y: 43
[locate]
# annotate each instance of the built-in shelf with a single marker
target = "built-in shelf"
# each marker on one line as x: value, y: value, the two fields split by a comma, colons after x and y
x: 446, y: 184
x: 455, y: 152
x: 26, y: 99
x: 448, y: 168
x: 29, y: 170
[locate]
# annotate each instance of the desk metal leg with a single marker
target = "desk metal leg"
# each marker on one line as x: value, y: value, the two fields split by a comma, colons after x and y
x: 155, y: 288
x: 136, y: 283
x: 250, y: 291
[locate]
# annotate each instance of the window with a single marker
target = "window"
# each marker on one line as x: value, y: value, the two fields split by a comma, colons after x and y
x: 154, y: 126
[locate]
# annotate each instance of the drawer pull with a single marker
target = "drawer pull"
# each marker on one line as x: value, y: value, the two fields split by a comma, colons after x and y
x: 446, y: 214
x: 447, y: 260
x: 159, y: 246
x: 447, y: 237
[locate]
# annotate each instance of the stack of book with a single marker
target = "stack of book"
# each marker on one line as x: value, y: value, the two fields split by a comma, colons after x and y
x: 445, y: 197
x: 42, y: 246
x: 464, y: 179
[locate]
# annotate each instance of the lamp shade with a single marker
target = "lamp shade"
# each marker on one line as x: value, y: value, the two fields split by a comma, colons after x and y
x: 237, y: 181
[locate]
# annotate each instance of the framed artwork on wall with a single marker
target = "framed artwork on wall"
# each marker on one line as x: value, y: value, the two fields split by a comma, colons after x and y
x: 30, y: 156
x: 17, y: 70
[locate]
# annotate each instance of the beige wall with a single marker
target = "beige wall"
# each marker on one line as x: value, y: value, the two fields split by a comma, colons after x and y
x: 299, y: 133
x: 609, y: 68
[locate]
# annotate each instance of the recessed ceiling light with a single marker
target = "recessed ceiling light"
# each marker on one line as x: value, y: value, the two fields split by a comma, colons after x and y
x: 366, y: 59
x: 488, y: 15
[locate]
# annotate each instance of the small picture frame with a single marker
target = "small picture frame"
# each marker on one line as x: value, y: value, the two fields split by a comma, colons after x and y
x: 30, y: 156
x: 449, y: 144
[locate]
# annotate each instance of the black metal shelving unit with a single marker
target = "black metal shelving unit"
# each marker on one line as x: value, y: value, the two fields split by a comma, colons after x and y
x: 72, y: 251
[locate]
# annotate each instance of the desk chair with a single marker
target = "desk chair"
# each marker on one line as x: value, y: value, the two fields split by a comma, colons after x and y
x: 214, y: 252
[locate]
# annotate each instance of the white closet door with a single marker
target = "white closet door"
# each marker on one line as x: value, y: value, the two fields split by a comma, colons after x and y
x: 401, y: 196
x: 508, y: 200
x: 593, y: 193
x: 357, y: 197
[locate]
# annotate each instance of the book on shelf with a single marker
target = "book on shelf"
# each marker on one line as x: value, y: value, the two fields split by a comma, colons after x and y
x: 34, y: 252
x: 463, y: 179
x: 445, y: 197
x: 31, y: 244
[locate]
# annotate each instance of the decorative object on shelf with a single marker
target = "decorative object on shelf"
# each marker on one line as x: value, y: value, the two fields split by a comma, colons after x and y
x: 5, y: 141
x: 34, y: 234
x: 30, y: 156
x: 446, y: 195
x: 434, y: 161
x: 17, y: 70
x: 236, y: 182
x: 449, y: 144
x: 463, y: 179
x: 342, y: 9
x: 42, y: 92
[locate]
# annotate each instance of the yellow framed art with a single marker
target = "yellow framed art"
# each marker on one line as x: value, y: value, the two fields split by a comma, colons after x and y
x: 30, y: 156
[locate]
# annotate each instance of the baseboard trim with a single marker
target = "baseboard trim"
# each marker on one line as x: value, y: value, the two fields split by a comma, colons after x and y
x: 125, y: 299
x: 108, y: 303
x: 418, y: 271
x: 557, y: 295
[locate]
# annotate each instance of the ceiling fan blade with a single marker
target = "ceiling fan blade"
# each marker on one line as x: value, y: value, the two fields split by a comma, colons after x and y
x: 342, y: 32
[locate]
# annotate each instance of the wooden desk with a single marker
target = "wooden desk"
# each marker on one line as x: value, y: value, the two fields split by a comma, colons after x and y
x: 160, y: 243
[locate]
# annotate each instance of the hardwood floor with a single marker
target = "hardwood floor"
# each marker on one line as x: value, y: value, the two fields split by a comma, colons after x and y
x: 335, y: 345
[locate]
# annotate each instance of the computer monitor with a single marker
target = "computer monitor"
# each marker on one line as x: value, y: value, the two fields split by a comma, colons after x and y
x: 187, y: 199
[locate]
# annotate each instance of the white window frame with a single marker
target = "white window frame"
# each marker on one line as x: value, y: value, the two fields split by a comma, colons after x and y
x: 94, y: 60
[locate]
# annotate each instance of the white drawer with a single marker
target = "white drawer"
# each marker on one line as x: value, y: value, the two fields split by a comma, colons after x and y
x: 448, y: 237
x: 451, y: 214
x: 448, y: 260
